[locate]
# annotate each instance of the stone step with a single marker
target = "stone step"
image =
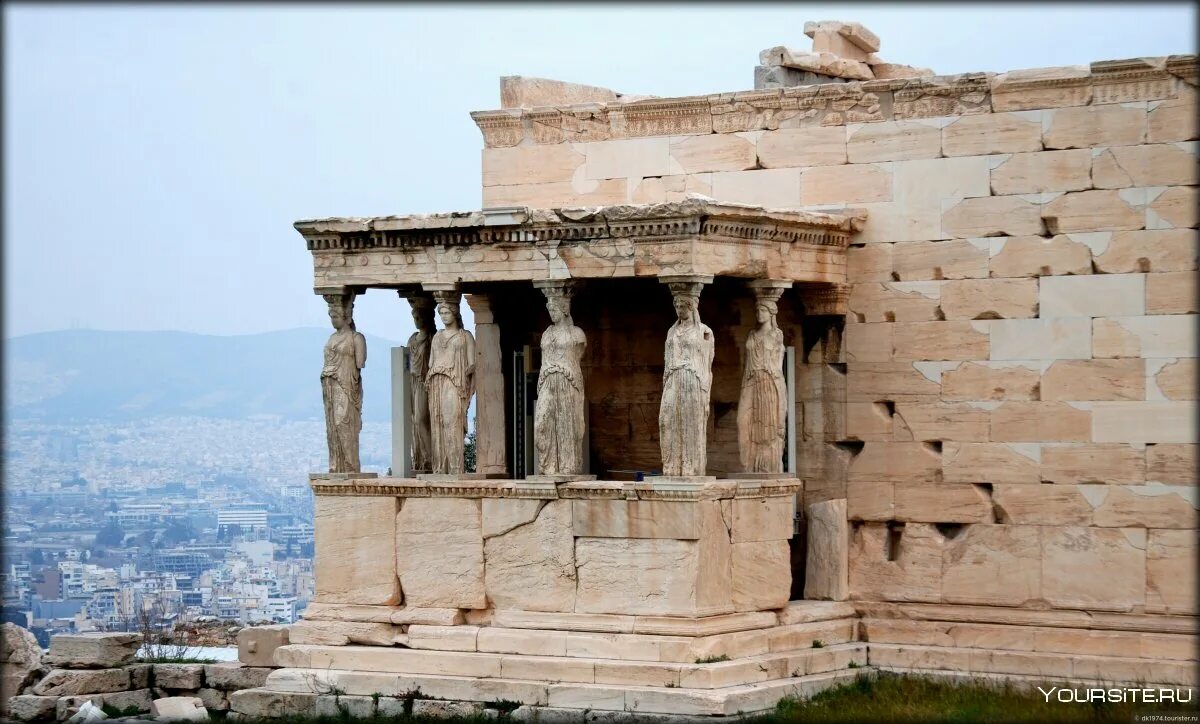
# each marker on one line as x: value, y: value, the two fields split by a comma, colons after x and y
x: 1045, y: 639
x: 731, y: 700
x: 718, y: 674
x: 1032, y: 663
x: 540, y: 642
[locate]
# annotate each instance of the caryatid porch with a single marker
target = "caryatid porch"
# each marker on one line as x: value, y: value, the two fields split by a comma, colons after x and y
x: 529, y: 565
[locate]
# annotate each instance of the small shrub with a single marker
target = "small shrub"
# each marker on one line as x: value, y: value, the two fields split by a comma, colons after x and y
x: 852, y: 665
x: 504, y: 706
x: 818, y: 644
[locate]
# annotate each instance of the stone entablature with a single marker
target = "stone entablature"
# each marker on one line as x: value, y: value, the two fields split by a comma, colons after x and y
x: 839, y: 104
x: 693, y: 236
x: 581, y: 490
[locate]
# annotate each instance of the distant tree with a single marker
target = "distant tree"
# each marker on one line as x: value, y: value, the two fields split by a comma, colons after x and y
x: 469, y: 453
x: 111, y: 535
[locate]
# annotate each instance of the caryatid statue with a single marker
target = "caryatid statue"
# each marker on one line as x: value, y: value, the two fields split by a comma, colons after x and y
x: 762, y: 405
x: 558, y: 413
x: 418, y: 368
x: 341, y: 385
x: 449, y: 385
x: 687, y: 384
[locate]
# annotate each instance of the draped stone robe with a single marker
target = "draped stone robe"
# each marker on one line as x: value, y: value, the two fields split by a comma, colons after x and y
x: 449, y: 385
x: 342, y: 394
x: 761, y: 407
x: 558, y: 420
x: 418, y: 359
x: 687, y: 383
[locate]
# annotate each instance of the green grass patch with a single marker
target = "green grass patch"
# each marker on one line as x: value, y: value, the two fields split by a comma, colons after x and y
x: 897, y: 698
x: 713, y: 659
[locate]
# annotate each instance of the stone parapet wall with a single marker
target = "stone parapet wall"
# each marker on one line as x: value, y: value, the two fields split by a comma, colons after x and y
x: 696, y: 549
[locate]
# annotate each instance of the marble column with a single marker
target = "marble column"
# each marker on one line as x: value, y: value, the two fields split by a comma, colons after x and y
x: 491, y: 455
x: 449, y: 383
x: 341, y: 384
x: 418, y: 367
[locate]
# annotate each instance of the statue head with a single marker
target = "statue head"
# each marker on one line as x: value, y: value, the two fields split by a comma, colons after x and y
x: 448, y: 313
x: 422, y: 312
x: 341, y: 310
x: 765, y: 311
x: 558, y: 304
x: 686, y: 300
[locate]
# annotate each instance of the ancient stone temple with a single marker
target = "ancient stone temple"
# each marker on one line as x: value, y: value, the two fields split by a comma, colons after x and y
x: 863, y: 369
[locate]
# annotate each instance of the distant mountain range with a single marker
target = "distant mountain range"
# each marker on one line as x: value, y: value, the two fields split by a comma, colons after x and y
x: 97, y: 375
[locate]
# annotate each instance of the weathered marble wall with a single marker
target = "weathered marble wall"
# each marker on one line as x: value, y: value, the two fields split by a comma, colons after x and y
x: 1010, y: 411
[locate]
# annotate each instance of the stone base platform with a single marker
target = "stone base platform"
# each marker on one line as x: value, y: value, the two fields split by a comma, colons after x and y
x: 714, y: 666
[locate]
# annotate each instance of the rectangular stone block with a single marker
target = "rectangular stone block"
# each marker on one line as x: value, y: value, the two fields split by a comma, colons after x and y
x: 1172, y: 464
x: 440, y: 552
x: 1092, y: 126
x: 630, y: 157
x: 1164, y: 164
x: 951, y: 259
x: 894, y: 301
x: 983, y: 381
x: 1087, y: 211
x: 940, y: 179
x: 1172, y: 379
x: 443, y: 638
x: 904, y: 220
x: 1073, y: 556
x: 892, y: 141
x: 870, y: 501
x: 635, y: 519
x: 800, y: 147
x: 1031, y: 505
x: 990, y: 133
x: 895, y: 462
x: 762, y: 519
x: 1034, y: 339
x: 868, y: 342
x: 1171, y: 565
x: 715, y: 152
x: 1040, y: 422
x: 992, y: 565
x: 772, y: 188
x: 1034, y: 256
x: 1155, y: 250
x: 636, y: 576
x: 1149, y: 422
x: 993, y: 216
x: 530, y: 164
x: 257, y: 644
x: 1175, y: 119
x: 92, y: 650
x: 1173, y: 208
x: 896, y: 563
x: 762, y: 575
x: 1035, y: 173
x: 1171, y: 293
x: 940, y: 341
x: 873, y: 381
x: 355, y: 560
x: 985, y: 462
x: 827, y: 570
x: 942, y: 503
x: 1160, y: 336
x: 990, y: 299
x: 936, y: 420
x: 845, y: 184
x: 1147, y: 506
x: 559, y: 194
x: 869, y: 263
x: 1107, y: 463
x: 1092, y: 295
x: 1095, y: 379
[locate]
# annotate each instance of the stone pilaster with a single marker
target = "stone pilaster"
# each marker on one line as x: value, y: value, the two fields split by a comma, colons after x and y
x: 490, y: 453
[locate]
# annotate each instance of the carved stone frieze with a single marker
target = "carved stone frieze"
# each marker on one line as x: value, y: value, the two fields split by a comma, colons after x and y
x: 580, y: 490
x: 1127, y: 81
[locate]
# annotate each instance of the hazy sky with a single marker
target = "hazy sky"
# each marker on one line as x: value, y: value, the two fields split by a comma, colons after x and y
x: 155, y: 157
